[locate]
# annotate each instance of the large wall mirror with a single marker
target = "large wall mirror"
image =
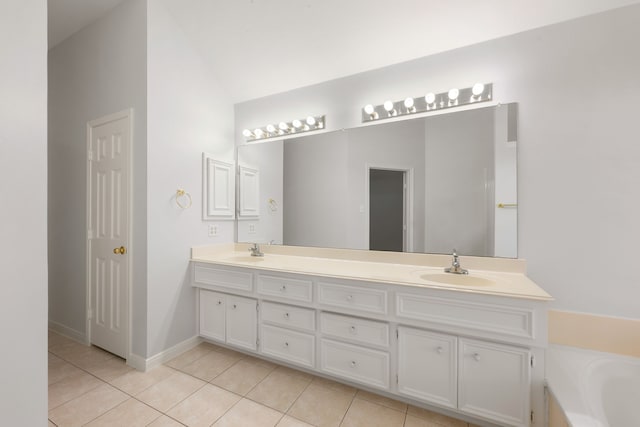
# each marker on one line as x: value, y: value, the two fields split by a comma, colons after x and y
x: 427, y: 184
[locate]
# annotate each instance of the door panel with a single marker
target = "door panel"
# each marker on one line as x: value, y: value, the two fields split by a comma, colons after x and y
x: 108, y: 233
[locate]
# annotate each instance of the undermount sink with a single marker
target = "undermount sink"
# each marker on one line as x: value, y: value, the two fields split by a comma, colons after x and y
x: 457, y: 279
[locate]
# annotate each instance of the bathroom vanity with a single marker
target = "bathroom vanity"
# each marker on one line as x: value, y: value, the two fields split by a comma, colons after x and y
x: 469, y: 346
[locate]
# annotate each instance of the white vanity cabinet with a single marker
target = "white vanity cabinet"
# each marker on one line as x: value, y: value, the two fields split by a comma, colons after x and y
x: 230, y: 319
x: 466, y: 353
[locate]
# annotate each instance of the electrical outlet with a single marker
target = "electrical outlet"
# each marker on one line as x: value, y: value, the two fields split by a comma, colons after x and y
x: 252, y: 229
x: 213, y: 230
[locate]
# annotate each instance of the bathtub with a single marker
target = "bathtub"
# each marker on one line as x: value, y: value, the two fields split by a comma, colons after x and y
x: 594, y: 389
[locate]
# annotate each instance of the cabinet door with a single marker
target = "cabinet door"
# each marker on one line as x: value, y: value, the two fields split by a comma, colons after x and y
x: 242, y: 321
x: 212, y: 317
x: 427, y: 366
x: 494, y: 381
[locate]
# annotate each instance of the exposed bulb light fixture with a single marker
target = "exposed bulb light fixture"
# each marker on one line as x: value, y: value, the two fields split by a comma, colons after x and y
x: 480, y: 92
x: 389, y: 107
x: 285, y: 129
x: 409, y: 104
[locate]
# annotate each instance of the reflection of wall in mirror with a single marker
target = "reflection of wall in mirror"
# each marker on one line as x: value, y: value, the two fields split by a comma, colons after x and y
x: 267, y: 158
x: 459, y: 182
x: 506, y: 187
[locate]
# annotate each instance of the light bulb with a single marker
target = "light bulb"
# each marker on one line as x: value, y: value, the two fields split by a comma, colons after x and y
x: 283, y: 126
x: 408, y: 103
x: 296, y: 124
x: 369, y: 109
x: 311, y: 120
x: 271, y: 128
x: 258, y: 133
x: 247, y: 133
x: 477, y: 89
x: 453, y: 94
x: 388, y: 105
x: 430, y: 98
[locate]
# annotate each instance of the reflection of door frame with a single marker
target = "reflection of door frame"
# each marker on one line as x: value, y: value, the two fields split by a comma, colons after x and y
x: 125, y: 114
x: 407, y: 237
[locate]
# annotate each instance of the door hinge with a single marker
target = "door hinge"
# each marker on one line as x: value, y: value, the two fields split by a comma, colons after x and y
x: 533, y: 361
x: 257, y: 305
x: 397, y: 334
x: 532, y: 417
x: 397, y: 380
x: 89, y: 314
x: 257, y: 342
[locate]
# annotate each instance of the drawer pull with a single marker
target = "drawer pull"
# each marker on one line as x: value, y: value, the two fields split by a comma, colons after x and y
x: 283, y: 288
x: 353, y: 363
x: 353, y: 330
x: 439, y: 350
x: 349, y: 297
x: 286, y: 316
x: 476, y: 356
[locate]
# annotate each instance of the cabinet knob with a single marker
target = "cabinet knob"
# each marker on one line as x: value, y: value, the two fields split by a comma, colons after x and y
x: 353, y: 330
x: 349, y: 297
x: 353, y: 363
x: 476, y: 356
x: 283, y: 288
x: 286, y: 344
x: 439, y: 350
x: 286, y: 316
x: 235, y: 306
x: 219, y: 302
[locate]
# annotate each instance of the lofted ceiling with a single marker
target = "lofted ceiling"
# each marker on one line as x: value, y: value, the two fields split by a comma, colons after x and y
x: 261, y: 47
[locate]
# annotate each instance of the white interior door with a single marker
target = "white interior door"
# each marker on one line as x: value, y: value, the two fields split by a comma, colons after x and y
x: 108, y: 232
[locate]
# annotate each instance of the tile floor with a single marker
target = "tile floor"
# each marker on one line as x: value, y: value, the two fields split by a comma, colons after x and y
x: 210, y: 386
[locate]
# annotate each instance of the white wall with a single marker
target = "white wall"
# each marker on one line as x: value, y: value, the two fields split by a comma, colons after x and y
x: 97, y: 71
x: 188, y: 113
x: 577, y: 88
x: 268, y: 159
x: 23, y: 223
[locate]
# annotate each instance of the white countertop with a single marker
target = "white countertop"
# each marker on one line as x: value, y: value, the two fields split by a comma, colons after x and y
x: 508, y: 284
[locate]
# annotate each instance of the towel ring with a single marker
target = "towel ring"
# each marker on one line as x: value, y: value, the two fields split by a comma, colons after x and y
x: 180, y: 194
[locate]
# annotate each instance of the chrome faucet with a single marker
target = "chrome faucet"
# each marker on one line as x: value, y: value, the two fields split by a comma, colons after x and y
x: 455, y: 266
x: 255, y: 250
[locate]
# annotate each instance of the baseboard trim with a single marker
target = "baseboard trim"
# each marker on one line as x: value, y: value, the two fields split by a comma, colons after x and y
x: 68, y: 332
x: 144, y: 365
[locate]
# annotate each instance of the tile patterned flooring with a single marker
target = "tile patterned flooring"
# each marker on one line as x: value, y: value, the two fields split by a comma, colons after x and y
x: 210, y: 386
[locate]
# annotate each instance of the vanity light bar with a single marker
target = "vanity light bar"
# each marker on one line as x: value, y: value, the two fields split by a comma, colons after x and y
x: 480, y: 92
x: 308, y: 124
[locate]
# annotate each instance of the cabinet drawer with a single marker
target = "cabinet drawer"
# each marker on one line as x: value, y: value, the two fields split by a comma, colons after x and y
x: 355, y: 363
x: 291, y: 346
x: 355, y: 329
x: 289, y: 316
x: 229, y: 279
x: 369, y: 300
x: 504, y: 320
x: 284, y: 287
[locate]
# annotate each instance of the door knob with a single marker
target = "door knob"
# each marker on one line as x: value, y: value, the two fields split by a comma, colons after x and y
x: 121, y: 250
